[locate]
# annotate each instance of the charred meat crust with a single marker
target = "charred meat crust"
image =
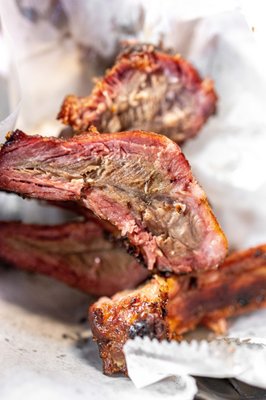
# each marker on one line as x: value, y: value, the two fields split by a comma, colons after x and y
x: 239, y: 285
x: 76, y: 253
x: 127, y: 315
x: 208, y: 298
x: 138, y: 181
x: 146, y: 89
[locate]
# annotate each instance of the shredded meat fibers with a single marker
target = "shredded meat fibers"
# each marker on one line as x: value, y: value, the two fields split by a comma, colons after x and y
x: 139, y: 182
x: 146, y: 89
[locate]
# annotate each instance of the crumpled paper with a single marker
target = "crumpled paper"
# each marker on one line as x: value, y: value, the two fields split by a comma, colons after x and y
x: 150, y: 361
x: 56, y: 47
x: 240, y: 354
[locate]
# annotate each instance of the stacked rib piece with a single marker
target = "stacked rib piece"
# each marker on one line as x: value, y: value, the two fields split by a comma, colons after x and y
x: 145, y: 218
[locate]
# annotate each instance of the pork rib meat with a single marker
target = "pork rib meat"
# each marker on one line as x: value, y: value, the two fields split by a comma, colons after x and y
x: 75, y: 253
x: 146, y: 89
x: 165, y: 308
x: 139, y: 182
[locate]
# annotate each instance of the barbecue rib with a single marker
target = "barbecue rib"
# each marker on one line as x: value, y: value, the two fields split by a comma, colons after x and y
x: 146, y: 89
x: 238, y: 286
x: 140, y: 182
x: 128, y: 314
x: 76, y: 253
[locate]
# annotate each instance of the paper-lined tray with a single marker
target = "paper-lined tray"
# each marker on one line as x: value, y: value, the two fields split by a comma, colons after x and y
x: 47, y: 350
x: 53, y: 56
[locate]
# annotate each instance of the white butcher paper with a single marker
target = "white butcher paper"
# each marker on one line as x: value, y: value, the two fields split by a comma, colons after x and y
x: 46, y: 353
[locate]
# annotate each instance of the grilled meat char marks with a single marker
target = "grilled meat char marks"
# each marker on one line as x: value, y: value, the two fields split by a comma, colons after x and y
x: 127, y: 315
x: 238, y: 286
x: 76, y: 253
x: 138, y: 181
x: 146, y: 89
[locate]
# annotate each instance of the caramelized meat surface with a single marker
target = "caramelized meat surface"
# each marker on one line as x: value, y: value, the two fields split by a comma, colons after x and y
x: 139, y: 182
x: 207, y: 298
x: 128, y: 314
x: 76, y: 253
x: 146, y: 89
x: 237, y: 286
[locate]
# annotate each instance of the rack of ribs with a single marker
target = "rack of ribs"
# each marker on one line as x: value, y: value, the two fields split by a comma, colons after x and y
x: 165, y: 308
x: 139, y: 182
x: 146, y: 89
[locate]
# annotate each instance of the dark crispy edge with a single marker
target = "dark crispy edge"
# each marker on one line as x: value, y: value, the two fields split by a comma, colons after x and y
x: 144, y: 317
x: 194, y: 306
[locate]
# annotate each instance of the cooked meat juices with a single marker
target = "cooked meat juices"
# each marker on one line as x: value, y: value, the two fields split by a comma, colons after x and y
x: 138, y: 181
x: 165, y: 308
x: 76, y: 253
x: 146, y: 89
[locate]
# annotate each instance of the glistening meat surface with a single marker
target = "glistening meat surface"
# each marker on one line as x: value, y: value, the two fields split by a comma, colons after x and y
x: 139, y: 312
x: 166, y: 308
x: 140, y: 182
x: 76, y: 253
x: 146, y: 89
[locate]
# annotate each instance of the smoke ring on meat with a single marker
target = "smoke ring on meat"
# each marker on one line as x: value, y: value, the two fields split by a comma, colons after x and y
x: 76, y: 253
x: 138, y: 181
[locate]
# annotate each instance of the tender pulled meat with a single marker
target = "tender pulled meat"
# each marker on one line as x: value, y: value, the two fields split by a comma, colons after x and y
x: 140, y: 182
x: 128, y: 314
x: 146, y: 89
x: 77, y: 254
x: 208, y: 298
